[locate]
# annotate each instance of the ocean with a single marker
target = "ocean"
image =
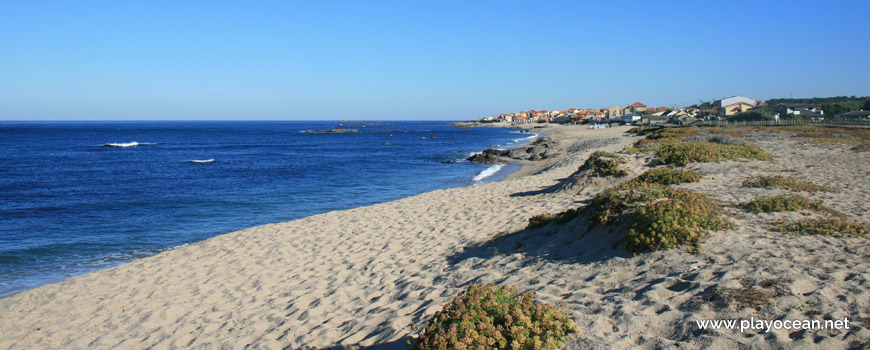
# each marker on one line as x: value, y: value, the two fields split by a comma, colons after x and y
x: 81, y: 196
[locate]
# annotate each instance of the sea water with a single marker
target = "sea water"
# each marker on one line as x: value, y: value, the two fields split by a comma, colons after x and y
x: 80, y: 196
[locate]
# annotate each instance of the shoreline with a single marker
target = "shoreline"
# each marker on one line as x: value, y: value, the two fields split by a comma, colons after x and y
x: 293, y: 283
x: 59, y: 262
x: 498, y: 177
x: 363, y: 277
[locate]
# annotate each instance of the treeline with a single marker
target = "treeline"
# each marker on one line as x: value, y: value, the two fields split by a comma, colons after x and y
x: 818, y: 100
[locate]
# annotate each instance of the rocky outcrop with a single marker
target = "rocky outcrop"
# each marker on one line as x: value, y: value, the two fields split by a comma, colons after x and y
x: 489, y: 156
x: 538, y: 150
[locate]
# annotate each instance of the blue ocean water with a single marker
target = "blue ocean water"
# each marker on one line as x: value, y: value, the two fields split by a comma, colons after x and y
x: 70, y: 202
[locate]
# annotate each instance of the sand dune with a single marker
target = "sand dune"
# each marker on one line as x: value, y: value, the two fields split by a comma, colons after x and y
x: 362, y: 277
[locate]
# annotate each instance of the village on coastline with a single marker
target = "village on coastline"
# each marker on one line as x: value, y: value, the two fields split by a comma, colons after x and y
x: 735, y: 108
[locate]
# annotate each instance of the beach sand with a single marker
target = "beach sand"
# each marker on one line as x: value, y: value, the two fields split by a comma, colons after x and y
x: 361, y: 278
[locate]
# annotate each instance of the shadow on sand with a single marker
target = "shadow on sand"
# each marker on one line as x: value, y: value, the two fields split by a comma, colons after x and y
x: 398, y: 344
x: 578, y: 241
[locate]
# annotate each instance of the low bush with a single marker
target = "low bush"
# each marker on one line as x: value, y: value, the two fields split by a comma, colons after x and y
x: 667, y: 223
x: 540, y: 220
x: 783, y: 203
x: 560, y: 218
x: 827, y: 227
x: 604, y: 163
x: 486, y: 316
x: 668, y: 176
x: 787, y: 183
x: 682, y: 153
x: 662, y: 217
x: 712, y: 138
x: 614, y: 201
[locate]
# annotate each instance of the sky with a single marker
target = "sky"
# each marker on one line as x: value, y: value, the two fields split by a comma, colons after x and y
x: 415, y: 60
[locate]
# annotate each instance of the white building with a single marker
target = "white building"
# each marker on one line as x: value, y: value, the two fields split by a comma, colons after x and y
x: 737, y: 99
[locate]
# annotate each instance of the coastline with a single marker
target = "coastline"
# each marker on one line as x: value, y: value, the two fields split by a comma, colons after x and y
x: 362, y: 277
x: 126, y: 213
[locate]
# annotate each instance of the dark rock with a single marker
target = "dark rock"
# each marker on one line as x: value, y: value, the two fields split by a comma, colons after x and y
x: 550, y: 153
x: 489, y: 156
x: 519, y: 154
x: 536, y: 150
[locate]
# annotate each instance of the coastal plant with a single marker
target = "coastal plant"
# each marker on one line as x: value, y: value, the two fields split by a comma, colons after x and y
x: 864, y: 146
x: 783, y: 203
x: 560, y: 218
x: 614, y: 201
x: 712, y: 138
x: 604, y: 164
x: 787, y: 183
x: 859, y: 137
x: 741, y: 298
x: 668, y: 176
x: 667, y: 223
x: 540, y: 220
x: 666, y: 134
x: 682, y: 153
x: 661, y: 217
x: 487, y: 316
x: 826, y: 227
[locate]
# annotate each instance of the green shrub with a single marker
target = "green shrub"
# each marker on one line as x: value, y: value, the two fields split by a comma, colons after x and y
x: 614, y: 201
x: 560, y: 218
x: 540, y: 220
x: 787, y: 183
x: 783, y: 203
x: 827, y: 227
x: 712, y: 138
x: 864, y: 146
x: 749, y: 116
x: 668, y: 223
x: 682, y: 153
x: 668, y: 176
x: 604, y: 163
x: 486, y: 316
x: 662, y: 217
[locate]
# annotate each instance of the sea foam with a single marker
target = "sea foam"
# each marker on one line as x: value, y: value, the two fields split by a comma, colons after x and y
x: 122, y: 145
x: 488, y: 172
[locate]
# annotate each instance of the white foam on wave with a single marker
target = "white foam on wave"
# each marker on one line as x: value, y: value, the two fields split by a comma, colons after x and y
x: 488, y: 172
x: 528, y: 138
x: 202, y: 160
x: 128, y: 144
x: 122, y: 145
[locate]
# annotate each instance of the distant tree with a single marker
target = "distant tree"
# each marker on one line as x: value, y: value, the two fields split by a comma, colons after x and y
x: 749, y: 116
x: 765, y: 111
x: 817, y: 100
x: 832, y: 109
x: 866, y: 106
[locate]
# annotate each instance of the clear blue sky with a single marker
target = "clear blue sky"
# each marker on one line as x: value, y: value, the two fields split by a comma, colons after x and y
x: 255, y: 60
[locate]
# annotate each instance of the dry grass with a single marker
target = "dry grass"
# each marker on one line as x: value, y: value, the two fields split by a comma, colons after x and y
x: 785, y: 203
x: 826, y: 227
x: 787, y: 183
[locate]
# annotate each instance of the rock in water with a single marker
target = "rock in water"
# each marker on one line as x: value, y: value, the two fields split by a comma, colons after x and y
x: 489, y: 156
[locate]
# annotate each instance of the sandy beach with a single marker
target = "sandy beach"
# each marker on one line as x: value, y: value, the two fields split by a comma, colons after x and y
x: 361, y: 278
